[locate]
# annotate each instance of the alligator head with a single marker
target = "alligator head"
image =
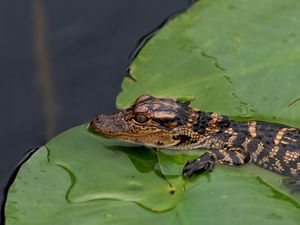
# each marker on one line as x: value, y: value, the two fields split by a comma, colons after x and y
x: 151, y: 121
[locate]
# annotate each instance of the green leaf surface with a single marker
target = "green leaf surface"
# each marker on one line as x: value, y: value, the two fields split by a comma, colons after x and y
x: 236, y: 58
x: 91, y: 176
x: 239, y: 58
x: 56, y: 187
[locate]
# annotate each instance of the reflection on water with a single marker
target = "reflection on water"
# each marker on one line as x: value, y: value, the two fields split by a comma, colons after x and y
x: 44, y: 74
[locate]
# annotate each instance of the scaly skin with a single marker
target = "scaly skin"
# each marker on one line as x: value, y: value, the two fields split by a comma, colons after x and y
x: 168, y: 123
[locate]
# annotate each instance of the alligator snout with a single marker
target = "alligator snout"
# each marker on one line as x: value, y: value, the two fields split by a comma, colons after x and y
x: 111, y: 125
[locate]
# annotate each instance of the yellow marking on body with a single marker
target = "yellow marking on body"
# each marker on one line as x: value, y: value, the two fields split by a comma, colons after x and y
x: 294, y: 172
x: 195, y: 114
x: 252, y: 129
x: 277, y: 166
x: 240, y: 157
x: 214, y: 119
x: 274, y: 151
x: 279, y: 135
x: 213, y: 155
x: 232, y: 139
x: 227, y: 158
x: 287, y: 157
x: 212, y: 128
x: 290, y: 156
x: 272, y: 154
x: 163, y: 114
x: 289, y: 139
x: 245, y: 144
x: 213, y: 122
x: 228, y: 131
x: 190, y: 120
x: 259, y: 149
x: 220, y: 118
x: 157, y: 104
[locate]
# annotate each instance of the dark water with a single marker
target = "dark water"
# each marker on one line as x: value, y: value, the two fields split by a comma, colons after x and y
x: 62, y: 62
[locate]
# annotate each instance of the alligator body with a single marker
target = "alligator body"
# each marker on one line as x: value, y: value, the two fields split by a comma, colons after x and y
x: 169, y: 123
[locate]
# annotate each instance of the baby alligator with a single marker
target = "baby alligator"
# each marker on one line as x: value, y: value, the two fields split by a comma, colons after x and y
x: 169, y: 123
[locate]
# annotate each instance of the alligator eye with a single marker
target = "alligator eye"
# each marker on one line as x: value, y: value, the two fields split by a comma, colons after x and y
x: 141, y: 118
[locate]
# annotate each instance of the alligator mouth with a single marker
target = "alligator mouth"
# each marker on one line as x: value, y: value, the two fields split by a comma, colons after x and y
x: 107, y: 126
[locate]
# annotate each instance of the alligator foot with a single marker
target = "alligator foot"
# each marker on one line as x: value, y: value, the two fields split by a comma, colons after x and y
x: 293, y: 184
x: 203, y: 163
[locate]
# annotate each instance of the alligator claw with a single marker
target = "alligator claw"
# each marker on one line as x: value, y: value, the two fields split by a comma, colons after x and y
x: 202, y: 164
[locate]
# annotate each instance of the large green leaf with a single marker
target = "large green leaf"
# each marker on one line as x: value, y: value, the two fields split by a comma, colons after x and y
x: 239, y: 58
x: 80, y: 178
x: 104, y: 165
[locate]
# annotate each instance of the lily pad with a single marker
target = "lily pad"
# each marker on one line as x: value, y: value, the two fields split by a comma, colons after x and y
x: 42, y: 190
x: 239, y: 59
x: 92, y: 175
x: 235, y: 58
